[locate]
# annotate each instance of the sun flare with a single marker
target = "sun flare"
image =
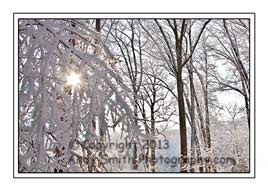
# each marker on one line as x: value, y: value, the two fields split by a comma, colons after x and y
x: 73, y: 79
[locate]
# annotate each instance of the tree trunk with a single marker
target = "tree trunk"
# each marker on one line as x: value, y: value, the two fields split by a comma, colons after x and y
x: 153, y: 134
x: 181, y: 107
x: 135, y: 150
x: 206, y: 106
x: 182, y: 118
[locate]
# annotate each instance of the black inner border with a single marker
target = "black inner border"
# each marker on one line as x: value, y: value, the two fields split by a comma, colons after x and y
x: 210, y: 175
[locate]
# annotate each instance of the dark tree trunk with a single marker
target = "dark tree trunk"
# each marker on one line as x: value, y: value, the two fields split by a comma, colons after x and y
x: 181, y: 107
x: 98, y: 25
x: 152, y: 146
x: 182, y: 118
x: 206, y: 106
x: 135, y: 150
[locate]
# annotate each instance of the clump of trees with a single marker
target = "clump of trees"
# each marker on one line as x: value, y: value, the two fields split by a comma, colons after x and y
x: 137, y: 79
